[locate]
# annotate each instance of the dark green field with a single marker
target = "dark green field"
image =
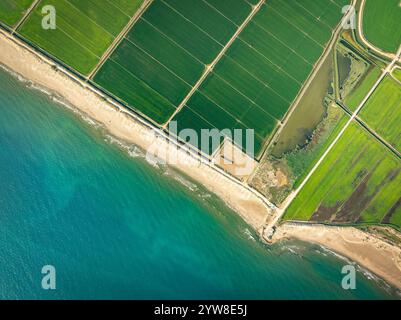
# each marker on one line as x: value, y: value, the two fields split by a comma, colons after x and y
x: 264, y: 69
x: 167, y: 51
x: 254, y: 83
x: 84, y: 29
x: 11, y: 11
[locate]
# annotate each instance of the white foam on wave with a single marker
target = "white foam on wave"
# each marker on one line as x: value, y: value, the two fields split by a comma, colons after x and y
x: 337, y: 255
x: 14, y: 74
x: 249, y: 234
x: 52, y: 95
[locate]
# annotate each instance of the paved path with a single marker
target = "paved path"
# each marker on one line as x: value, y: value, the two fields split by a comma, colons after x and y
x: 26, y: 15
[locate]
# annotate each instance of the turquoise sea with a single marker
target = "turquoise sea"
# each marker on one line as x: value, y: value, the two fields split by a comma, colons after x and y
x: 115, y: 226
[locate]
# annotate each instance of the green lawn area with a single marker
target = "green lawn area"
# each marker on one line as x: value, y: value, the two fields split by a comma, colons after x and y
x: 356, y: 96
x: 359, y: 181
x: 382, y: 23
x: 11, y: 11
x: 382, y: 112
x: 84, y: 30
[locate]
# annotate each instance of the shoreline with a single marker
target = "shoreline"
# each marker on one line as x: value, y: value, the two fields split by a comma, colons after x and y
x: 368, y: 251
x: 121, y: 124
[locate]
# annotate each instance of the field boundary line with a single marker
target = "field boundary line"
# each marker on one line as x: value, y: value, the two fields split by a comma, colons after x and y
x: 171, y: 40
x: 142, y: 81
x: 192, y: 23
x: 378, y: 137
x: 157, y: 61
x: 336, y: 160
x: 252, y: 102
x: 218, y: 11
x: 89, y: 18
x: 280, y: 68
x: 311, y: 14
x: 209, y: 68
x: 393, y: 77
x: 296, y: 27
x: 120, y: 37
x: 308, y: 82
x: 282, y: 42
x: 25, y: 16
x: 262, y: 82
x: 293, y: 195
x: 118, y: 8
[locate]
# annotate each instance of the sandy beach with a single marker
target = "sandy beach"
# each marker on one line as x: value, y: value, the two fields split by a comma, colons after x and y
x: 122, y: 125
x: 369, y: 251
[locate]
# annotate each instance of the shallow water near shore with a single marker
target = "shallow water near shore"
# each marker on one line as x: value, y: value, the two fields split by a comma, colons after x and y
x: 115, y: 226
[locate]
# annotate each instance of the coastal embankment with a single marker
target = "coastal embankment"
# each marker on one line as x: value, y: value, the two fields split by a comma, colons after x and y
x: 367, y: 250
x: 123, y: 124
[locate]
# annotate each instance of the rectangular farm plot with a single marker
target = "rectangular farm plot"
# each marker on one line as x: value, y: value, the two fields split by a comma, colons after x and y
x: 201, y: 108
x: 382, y: 112
x: 359, y: 181
x: 12, y: 11
x: 261, y: 73
x: 147, y: 101
x: 84, y: 29
x: 166, y: 52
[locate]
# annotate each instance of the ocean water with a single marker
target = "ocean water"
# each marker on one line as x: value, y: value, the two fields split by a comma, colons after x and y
x: 115, y: 226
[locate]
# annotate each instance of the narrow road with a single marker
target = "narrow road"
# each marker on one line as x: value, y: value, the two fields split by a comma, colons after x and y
x: 209, y: 68
x: 26, y: 15
x: 121, y: 36
x: 292, y: 196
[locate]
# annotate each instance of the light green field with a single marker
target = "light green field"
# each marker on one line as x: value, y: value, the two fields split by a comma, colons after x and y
x: 165, y: 53
x: 381, y: 23
x: 84, y: 29
x: 359, y: 181
x: 11, y: 11
x: 356, y: 96
x: 382, y: 112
